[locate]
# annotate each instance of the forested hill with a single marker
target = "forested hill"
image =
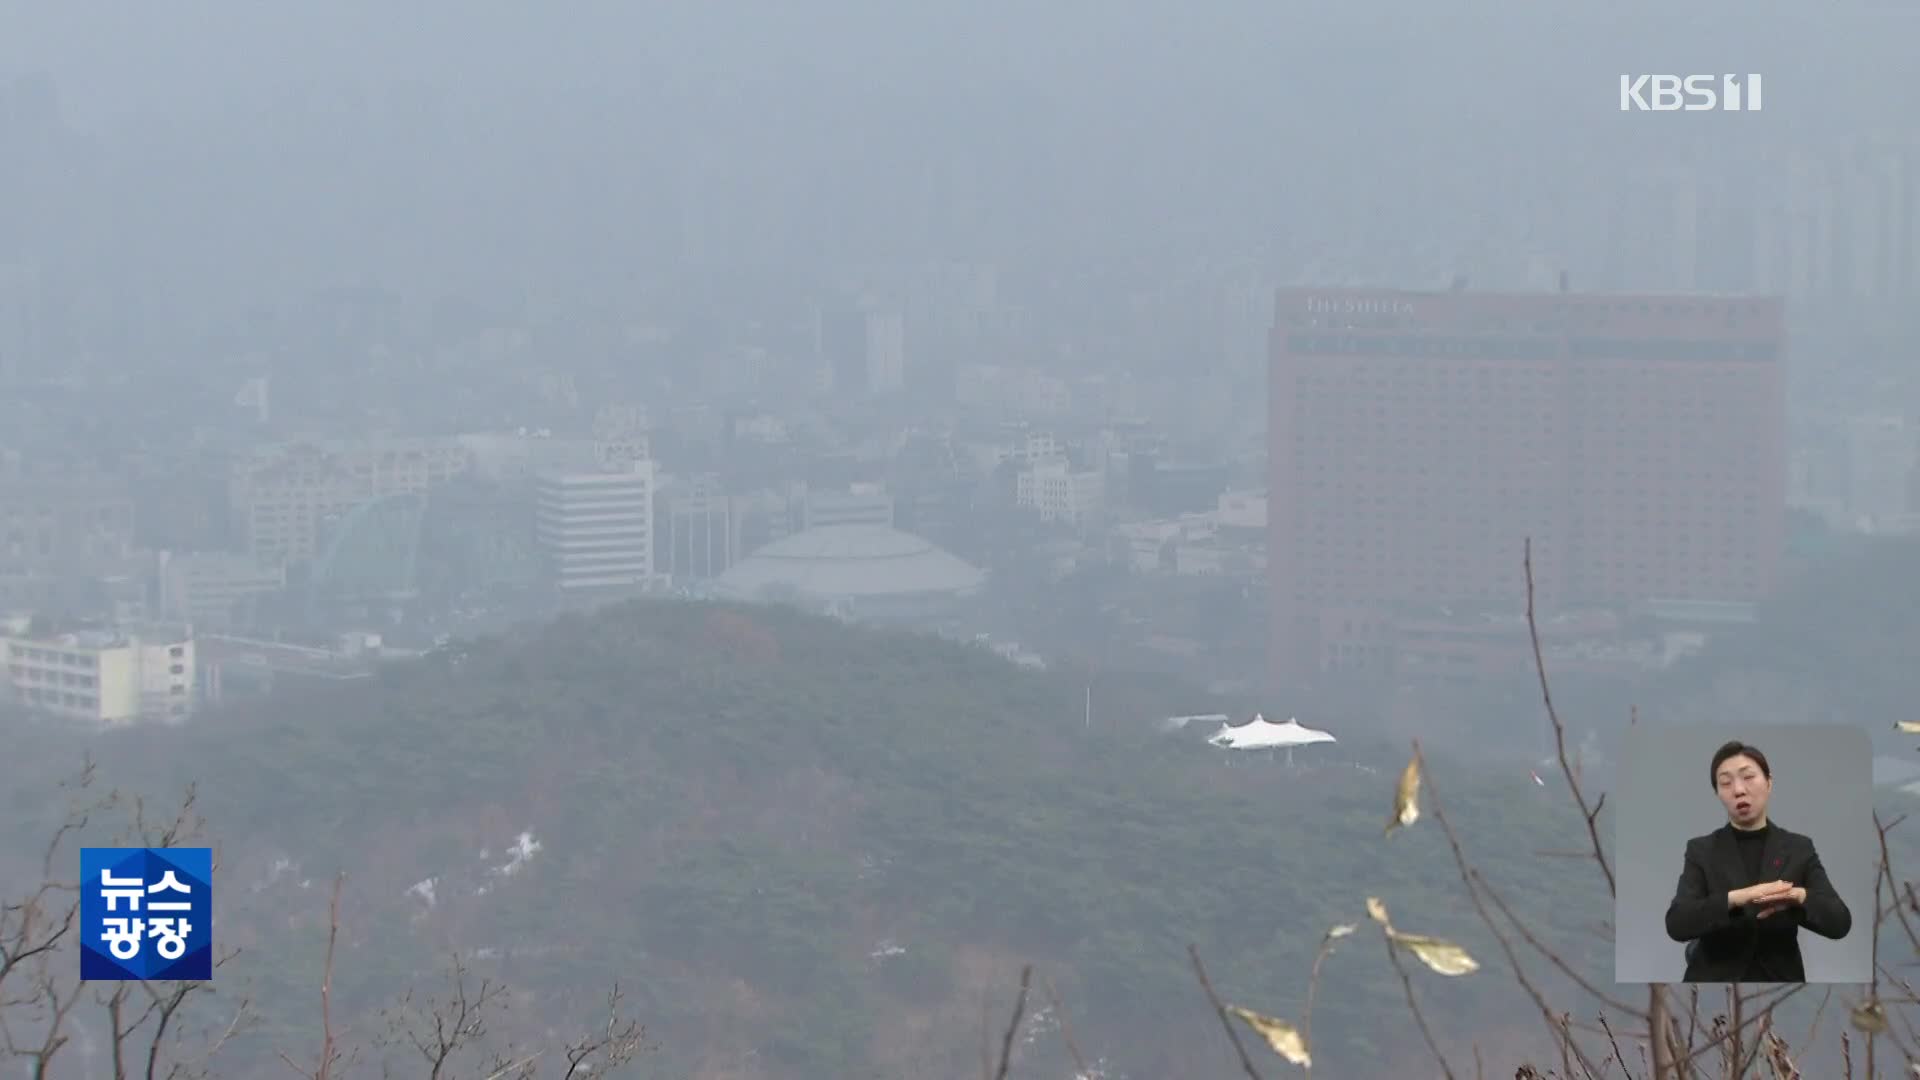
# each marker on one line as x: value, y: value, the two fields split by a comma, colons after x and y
x: 1837, y: 645
x: 807, y: 849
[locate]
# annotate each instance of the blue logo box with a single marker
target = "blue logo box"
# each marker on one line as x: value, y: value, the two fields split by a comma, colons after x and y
x: 146, y: 914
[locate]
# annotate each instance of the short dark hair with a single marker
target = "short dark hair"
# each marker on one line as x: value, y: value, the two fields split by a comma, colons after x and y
x: 1736, y: 748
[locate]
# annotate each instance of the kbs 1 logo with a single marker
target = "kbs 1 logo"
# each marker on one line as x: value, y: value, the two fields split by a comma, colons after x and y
x: 146, y: 914
x: 1689, y: 93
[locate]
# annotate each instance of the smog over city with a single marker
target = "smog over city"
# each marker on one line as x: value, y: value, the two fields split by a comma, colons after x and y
x: 1073, y: 541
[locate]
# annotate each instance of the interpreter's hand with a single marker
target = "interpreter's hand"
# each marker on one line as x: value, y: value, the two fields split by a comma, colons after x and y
x: 1773, y: 906
x: 1763, y: 893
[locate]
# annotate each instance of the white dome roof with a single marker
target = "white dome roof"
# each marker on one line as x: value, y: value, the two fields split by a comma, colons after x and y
x: 853, y: 561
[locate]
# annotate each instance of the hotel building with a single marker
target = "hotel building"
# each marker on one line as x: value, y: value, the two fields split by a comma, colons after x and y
x: 1418, y: 440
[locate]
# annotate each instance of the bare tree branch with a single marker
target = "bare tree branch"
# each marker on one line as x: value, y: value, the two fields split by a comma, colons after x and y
x: 1618, y: 1054
x: 1725, y: 1033
x: 618, y: 1042
x: 438, y: 1030
x: 1591, y: 813
x: 1469, y: 878
x: 330, y: 1053
x: 148, y: 1025
x: 1013, y: 1025
x: 1413, y: 1004
x: 1320, y: 955
x: 1226, y: 1018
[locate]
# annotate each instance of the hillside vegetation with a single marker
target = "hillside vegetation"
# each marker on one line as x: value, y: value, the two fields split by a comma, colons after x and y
x: 808, y: 850
x: 1838, y: 644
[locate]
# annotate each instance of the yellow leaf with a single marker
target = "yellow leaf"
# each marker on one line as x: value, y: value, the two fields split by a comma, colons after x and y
x: 1341, y: 931
x: 1441, y: 956
x: 1870, y: 1017
x: 1406, y: 797
x: 1285, y: 1039
x: 1907, y: 727
x: 1377, y: 910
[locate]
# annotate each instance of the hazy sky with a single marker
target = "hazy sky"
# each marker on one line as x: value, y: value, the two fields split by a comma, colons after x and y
x: 121, y: 58
x: 254, y: 146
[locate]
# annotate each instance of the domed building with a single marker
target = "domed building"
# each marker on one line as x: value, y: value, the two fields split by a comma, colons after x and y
x: 865, y: 571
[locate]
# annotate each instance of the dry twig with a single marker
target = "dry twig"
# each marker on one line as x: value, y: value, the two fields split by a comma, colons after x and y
x: 1066, y: 1032
x: 330, y: 1055
x: 1226, y: 1018
x: 1013, y: 1025
x: 1590, y: 812
x: 1413, y: 1003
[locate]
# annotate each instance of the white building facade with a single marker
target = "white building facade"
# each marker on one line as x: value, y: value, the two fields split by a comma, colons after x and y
x: 107, y: 677
x: 596, y: 528
x: 1059, y: 492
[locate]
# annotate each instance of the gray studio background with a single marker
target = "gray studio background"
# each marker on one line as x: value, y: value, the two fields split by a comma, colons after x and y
x: 1822, y: 776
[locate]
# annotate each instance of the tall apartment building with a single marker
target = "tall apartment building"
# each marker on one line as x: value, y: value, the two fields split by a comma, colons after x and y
x: 861, y: 351
x: 702, y: 538
x: 20, y: 331
x: 1418, y: 439
x: 104, y: 676
x: 596, y: 528
x: 1834, y: 227
x: 1883, y: 454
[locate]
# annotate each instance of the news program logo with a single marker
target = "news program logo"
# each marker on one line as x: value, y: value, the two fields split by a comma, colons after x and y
x: 146, y: 914
x: 1689, y: 93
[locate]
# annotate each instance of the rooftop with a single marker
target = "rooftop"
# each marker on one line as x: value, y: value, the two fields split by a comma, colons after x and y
x: 62, y: 635
x: 852, y: 561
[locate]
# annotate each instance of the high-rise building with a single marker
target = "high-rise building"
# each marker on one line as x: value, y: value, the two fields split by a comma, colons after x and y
x: 1417, y: 440
x: 861, y: 351
x: 702, y: 537
x: 20, y: 330
x: 596, y: 528
x: 1653, y: 231
x: 1882, y: 454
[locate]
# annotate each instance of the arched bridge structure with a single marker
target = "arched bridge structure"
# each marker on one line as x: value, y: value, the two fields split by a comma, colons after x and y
x: 373, y: 554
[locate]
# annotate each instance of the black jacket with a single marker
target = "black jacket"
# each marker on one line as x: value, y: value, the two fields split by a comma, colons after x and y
x: 1723, y: 944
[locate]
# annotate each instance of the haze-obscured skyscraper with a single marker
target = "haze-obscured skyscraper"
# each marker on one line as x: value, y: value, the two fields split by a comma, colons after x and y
x: 20, y: 330
x: 1417, y: 440
x: 862, y: 351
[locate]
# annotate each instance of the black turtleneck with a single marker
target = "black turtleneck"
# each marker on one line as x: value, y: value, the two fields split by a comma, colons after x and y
x: 1752, y: 843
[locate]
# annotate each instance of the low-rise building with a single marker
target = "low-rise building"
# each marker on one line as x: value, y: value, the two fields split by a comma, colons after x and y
x: 1061, y: 492
x: 215, y: 590
x: 858, y: 504
x: 117, y: 676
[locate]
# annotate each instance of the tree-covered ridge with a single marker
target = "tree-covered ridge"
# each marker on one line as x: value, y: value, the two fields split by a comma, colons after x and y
x: 807, y: 849
x: 1836, y: 645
